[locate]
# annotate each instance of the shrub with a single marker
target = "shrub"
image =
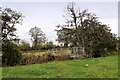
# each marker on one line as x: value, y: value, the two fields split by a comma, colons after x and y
x: 24, y: 46
x: 11, y: 54
x: 51, y: 55
x: 33, y: 59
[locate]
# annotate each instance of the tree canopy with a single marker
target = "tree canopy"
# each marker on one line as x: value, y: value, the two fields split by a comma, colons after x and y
x: 8, y: 19
x: 11, y: 55
x: 37, y: 36
x: 83, y: 29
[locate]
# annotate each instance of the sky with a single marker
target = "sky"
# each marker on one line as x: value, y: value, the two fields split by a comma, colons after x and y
x: 47, y: 15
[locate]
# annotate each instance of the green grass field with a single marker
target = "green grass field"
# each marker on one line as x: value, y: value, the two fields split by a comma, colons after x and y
x: 104, y: 67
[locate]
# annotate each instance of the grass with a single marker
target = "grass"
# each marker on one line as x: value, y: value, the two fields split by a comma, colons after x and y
x: 104, y: 67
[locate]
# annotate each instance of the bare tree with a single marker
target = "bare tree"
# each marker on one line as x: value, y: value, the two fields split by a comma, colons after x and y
x: 37, y: 36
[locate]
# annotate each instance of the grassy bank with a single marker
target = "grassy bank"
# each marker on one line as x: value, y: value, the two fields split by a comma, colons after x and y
x: 104, y: 67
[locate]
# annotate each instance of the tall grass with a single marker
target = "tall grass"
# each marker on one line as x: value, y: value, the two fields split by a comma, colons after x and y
x: 52, y: 55
x: 58, y: 55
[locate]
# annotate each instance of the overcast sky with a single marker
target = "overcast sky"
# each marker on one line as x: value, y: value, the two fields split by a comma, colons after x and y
x: 47, y: 15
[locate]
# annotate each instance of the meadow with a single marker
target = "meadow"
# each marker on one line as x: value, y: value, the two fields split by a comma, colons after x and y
x: 103, y: 67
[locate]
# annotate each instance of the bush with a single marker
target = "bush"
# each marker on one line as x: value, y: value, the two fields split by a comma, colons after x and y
x: 24, y: 46
x: 34, y: 59
x: 11, y: 54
